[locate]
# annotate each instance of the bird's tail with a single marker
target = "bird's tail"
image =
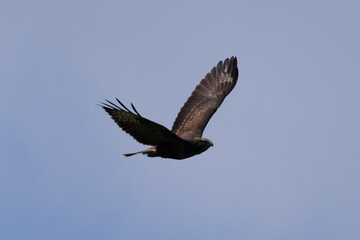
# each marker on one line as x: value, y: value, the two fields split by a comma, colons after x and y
x: 150, y: 152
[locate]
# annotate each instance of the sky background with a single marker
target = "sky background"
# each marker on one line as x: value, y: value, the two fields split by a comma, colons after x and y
x: 286, y: 157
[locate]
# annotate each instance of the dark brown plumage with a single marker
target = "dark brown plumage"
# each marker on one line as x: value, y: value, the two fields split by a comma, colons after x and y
x: 185, y: 139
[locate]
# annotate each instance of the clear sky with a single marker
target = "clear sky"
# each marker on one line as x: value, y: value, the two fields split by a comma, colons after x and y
x: 286, y: 157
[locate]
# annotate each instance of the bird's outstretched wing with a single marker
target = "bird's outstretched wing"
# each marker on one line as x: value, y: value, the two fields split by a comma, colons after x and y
x: 141, y: 129
x: 206, y: 99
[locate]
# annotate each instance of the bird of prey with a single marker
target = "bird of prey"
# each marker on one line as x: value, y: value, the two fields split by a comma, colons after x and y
x: 185, y: 138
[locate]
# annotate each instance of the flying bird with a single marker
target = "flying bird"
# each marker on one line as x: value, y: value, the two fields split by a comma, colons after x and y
x: 185, y: 138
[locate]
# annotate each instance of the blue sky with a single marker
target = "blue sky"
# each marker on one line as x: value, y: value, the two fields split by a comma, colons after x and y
x: 285, y: 161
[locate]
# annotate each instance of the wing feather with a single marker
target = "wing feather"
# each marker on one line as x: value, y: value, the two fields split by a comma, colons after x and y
x: 206, y: 99
x: 141, y: 129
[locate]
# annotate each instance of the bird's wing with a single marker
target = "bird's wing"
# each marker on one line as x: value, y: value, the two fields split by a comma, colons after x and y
x: 141, y: 129
x: 206, y: 99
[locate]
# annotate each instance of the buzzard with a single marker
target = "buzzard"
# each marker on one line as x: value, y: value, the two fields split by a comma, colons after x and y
x: 185, y: 138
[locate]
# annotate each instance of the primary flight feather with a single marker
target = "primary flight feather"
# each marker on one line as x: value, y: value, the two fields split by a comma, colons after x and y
x: 185, y: 138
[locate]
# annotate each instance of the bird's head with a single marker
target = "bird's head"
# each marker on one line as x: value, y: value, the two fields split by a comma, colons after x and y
x: 204, y: 143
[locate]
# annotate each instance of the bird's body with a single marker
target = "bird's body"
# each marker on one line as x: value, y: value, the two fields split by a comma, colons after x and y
x: 185, y: 138
x: 178, y: 150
